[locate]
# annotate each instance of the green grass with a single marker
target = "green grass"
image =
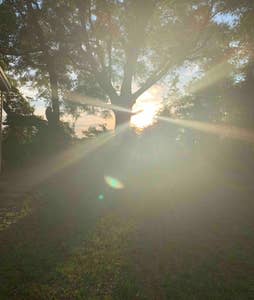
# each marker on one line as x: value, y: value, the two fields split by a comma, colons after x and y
x: 94, y: 266
x: 202, y: 283
x: 176, y: 231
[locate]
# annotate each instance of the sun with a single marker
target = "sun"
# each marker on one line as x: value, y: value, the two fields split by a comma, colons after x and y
x: 145, y: 116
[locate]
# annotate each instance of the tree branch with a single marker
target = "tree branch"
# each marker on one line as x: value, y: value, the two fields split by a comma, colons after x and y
x: 162, y: 71
x: 101, y: 76
x: 136, y: 40
x: 157, y: 75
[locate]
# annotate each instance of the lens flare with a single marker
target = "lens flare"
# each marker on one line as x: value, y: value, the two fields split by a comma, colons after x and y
x: 113, y: 182
x: 101, y: 197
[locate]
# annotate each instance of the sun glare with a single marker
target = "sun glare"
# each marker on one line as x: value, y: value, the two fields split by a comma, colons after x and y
x: 146, y: 115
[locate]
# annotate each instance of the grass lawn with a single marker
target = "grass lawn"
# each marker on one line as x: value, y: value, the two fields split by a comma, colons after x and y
x: 175, y: 231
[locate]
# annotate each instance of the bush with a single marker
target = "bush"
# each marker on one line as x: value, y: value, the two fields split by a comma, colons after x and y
x: 22, y: 142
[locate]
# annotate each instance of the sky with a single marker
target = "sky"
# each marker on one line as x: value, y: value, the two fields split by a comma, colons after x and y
x: 83, y: 122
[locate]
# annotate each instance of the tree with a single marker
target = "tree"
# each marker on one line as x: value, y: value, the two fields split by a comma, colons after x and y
x: 114, y: 44
x: 32, y: 44
x: 142, y: 42
x: 225, y: 91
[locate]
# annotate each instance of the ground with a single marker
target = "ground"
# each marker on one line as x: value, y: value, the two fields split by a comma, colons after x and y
x: 180, y: 228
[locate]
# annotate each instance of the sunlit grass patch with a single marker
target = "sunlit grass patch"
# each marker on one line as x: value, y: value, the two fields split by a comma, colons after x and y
x: 99, y: 269
x: 16, y: 211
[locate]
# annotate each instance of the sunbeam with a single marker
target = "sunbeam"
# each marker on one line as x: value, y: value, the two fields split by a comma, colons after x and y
x: 86, y: 100
x: 222, y: 130
x: 217, y: 129
x: 218, y: 72
x: 33, y: 176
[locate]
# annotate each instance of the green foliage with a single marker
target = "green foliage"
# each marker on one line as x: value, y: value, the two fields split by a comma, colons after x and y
x: 97, y: 269
x: 206, y: 282
x: 22, y: 143
x: 109, y: 45
x: 94, y: 131
x: 11, y: 215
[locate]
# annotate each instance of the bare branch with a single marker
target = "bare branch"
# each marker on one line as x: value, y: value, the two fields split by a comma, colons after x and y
x: 164, y: 68
x: 157, y: 75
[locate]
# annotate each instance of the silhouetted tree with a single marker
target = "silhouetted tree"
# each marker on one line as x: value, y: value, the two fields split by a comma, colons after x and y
x: 116, y: 48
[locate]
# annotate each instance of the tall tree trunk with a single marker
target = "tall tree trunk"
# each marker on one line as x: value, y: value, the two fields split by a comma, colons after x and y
x: 121, y: 116
x: 49, y: 60
x: 54, y: 96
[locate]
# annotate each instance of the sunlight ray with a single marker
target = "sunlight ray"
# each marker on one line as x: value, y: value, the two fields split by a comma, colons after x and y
x: 86, y: 100
x: 35, y: 175
x: 232, y: 132
x: 212, y: 76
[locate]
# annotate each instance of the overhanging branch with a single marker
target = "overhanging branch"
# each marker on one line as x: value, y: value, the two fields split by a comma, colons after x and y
x: 157, y: 75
